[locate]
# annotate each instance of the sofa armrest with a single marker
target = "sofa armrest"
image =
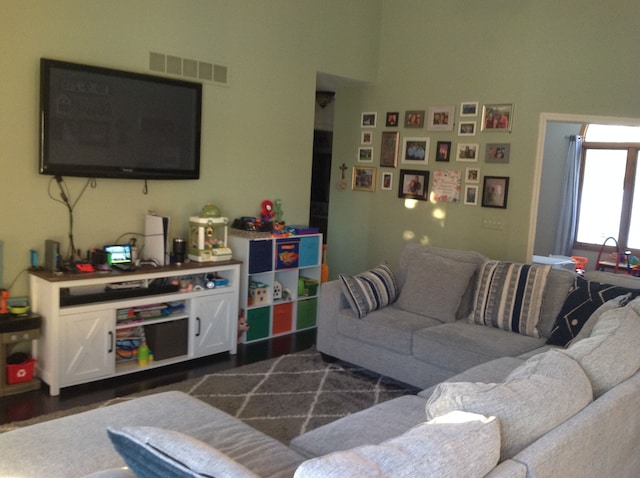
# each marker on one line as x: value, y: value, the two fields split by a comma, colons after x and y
x: 332, y: 302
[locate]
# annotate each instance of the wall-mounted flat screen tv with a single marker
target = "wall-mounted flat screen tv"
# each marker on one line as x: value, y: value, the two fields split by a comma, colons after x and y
x: 105, y: 123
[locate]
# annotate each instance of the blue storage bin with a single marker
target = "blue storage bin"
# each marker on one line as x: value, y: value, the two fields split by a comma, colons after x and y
x: 309, y: 251
x: 287, y: 253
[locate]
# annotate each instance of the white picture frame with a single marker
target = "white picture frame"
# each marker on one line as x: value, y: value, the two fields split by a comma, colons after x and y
x: 467, y: 152
x: 415, y: 150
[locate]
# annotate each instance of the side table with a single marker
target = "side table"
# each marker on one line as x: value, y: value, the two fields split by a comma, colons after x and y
x: 13, y: 330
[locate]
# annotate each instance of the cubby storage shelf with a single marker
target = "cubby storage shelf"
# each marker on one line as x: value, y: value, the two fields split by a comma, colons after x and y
x: 279, y: 283
x: 79, y: 338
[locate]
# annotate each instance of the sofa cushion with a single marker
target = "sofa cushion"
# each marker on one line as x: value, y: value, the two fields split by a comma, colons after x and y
x: 494, y: 371
x: 153, y: 452
x: 536, y: 397
x: 583, y: 300
x: 370, y: 426
x: 435, y: 286
x: 587, y: 328
x: 370, y: 290
x: 412, y: 251
x: 610, y: 355
x: 458, y: 444
x: 559, y: 283
x: 461, y: 345
x: 509, y: 296
x: 390, y: 328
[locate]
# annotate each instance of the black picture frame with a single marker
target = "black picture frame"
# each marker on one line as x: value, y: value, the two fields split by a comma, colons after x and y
x: 495, y: 191
x: 413, y: 184
x: 392, y: 119
x: 443, y: 151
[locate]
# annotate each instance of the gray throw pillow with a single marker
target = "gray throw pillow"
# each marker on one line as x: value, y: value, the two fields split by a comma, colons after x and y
x: 536, y: 397
x: 588, y: 326
x: 157, y: 453
x: 458, y: 444
x: 435, y: 286
x: 610, y: 354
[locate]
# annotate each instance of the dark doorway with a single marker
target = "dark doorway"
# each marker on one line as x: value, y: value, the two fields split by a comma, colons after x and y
x: 320, y: 181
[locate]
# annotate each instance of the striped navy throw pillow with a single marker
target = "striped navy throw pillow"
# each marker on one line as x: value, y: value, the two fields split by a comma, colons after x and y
x: 370, y: 290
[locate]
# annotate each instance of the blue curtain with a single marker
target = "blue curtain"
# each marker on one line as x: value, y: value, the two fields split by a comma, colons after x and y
x: 568, y: 218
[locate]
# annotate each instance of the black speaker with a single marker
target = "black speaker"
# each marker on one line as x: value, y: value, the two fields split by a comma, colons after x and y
x: 52, y: 255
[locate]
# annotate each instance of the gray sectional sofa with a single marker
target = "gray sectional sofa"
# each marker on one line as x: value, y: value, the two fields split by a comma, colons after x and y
x: 496, y: 402
x: 424, y: 337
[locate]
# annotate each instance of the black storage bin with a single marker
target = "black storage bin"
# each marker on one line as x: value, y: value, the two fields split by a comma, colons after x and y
x: 167, y: 339
x: 260, y: 256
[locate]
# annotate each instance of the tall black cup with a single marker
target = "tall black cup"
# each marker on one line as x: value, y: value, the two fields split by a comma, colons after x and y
x: 179, y: 250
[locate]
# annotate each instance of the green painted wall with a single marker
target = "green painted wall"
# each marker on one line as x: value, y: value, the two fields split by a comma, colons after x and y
x: 570, y: 57
x: 257, y: 132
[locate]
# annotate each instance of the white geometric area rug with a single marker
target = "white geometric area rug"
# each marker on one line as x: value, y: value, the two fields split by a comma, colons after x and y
x: 282, y: 397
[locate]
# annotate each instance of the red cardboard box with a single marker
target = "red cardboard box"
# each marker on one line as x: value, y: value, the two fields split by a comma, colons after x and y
x: 22, y: 372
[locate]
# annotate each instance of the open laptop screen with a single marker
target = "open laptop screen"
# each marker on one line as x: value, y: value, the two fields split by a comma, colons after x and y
x: 119, y: 254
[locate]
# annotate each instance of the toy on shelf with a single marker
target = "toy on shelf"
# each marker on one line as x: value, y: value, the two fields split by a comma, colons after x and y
x: 278, y: 210
x: 205, y: 241
x: 258, y: 293
x: 269, y: 221
x: 267, y: 212
x: 243, y: 325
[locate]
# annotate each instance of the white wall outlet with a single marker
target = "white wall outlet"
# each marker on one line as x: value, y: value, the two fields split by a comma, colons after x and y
x: 495, y: 223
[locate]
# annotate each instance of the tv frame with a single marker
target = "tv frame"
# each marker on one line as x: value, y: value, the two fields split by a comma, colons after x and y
x: 106, y: 171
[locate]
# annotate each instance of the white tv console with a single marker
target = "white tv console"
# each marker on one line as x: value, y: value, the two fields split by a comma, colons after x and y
x: 83, y: 323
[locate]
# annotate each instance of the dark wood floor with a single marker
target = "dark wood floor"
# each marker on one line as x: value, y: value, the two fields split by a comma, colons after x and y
x: 38, y: 402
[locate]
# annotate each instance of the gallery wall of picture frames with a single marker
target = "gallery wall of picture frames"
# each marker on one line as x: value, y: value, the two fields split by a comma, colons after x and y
x: 413, y: 150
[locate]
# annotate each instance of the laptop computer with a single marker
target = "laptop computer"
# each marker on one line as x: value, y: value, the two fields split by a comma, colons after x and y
x: 120, y: 257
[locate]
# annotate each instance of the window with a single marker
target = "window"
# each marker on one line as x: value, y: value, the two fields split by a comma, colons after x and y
x: 607, y: 205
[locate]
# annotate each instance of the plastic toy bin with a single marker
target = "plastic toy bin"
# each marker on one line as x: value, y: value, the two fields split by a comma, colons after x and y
x: 22, y: 372
x: 287, y: 253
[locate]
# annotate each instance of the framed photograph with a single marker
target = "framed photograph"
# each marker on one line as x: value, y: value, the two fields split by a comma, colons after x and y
x: 366, y: 137
x: 467, y: 152
x: 471, y: 195
x: 446, y: 185
x: 497, y: 117
x: 368, y: 120
x: 441, y: 118
x: 467, y: 128
x: 365, y: 154
x: 414, y: 119
x: 389, y: 149
x: 415, y: 150
x: 363, y: 178
x: 413, y: 184
x: 495, y: 191
x: 469, y: 109
x: 387, y: 181
x: 497, y: 153
x: 443, y: 151
x: 392, y: 119
x: 472, y: 175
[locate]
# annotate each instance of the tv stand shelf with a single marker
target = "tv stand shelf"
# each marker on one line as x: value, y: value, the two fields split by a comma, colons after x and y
x: 88, y: 328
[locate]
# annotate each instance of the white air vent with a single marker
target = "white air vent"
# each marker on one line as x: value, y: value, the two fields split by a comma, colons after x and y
x: 189, y: 68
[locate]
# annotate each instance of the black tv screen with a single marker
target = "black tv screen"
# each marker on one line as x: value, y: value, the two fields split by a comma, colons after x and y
x: 105, y: 123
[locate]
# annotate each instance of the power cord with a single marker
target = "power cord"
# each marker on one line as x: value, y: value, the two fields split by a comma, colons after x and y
x: 64, y: 199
